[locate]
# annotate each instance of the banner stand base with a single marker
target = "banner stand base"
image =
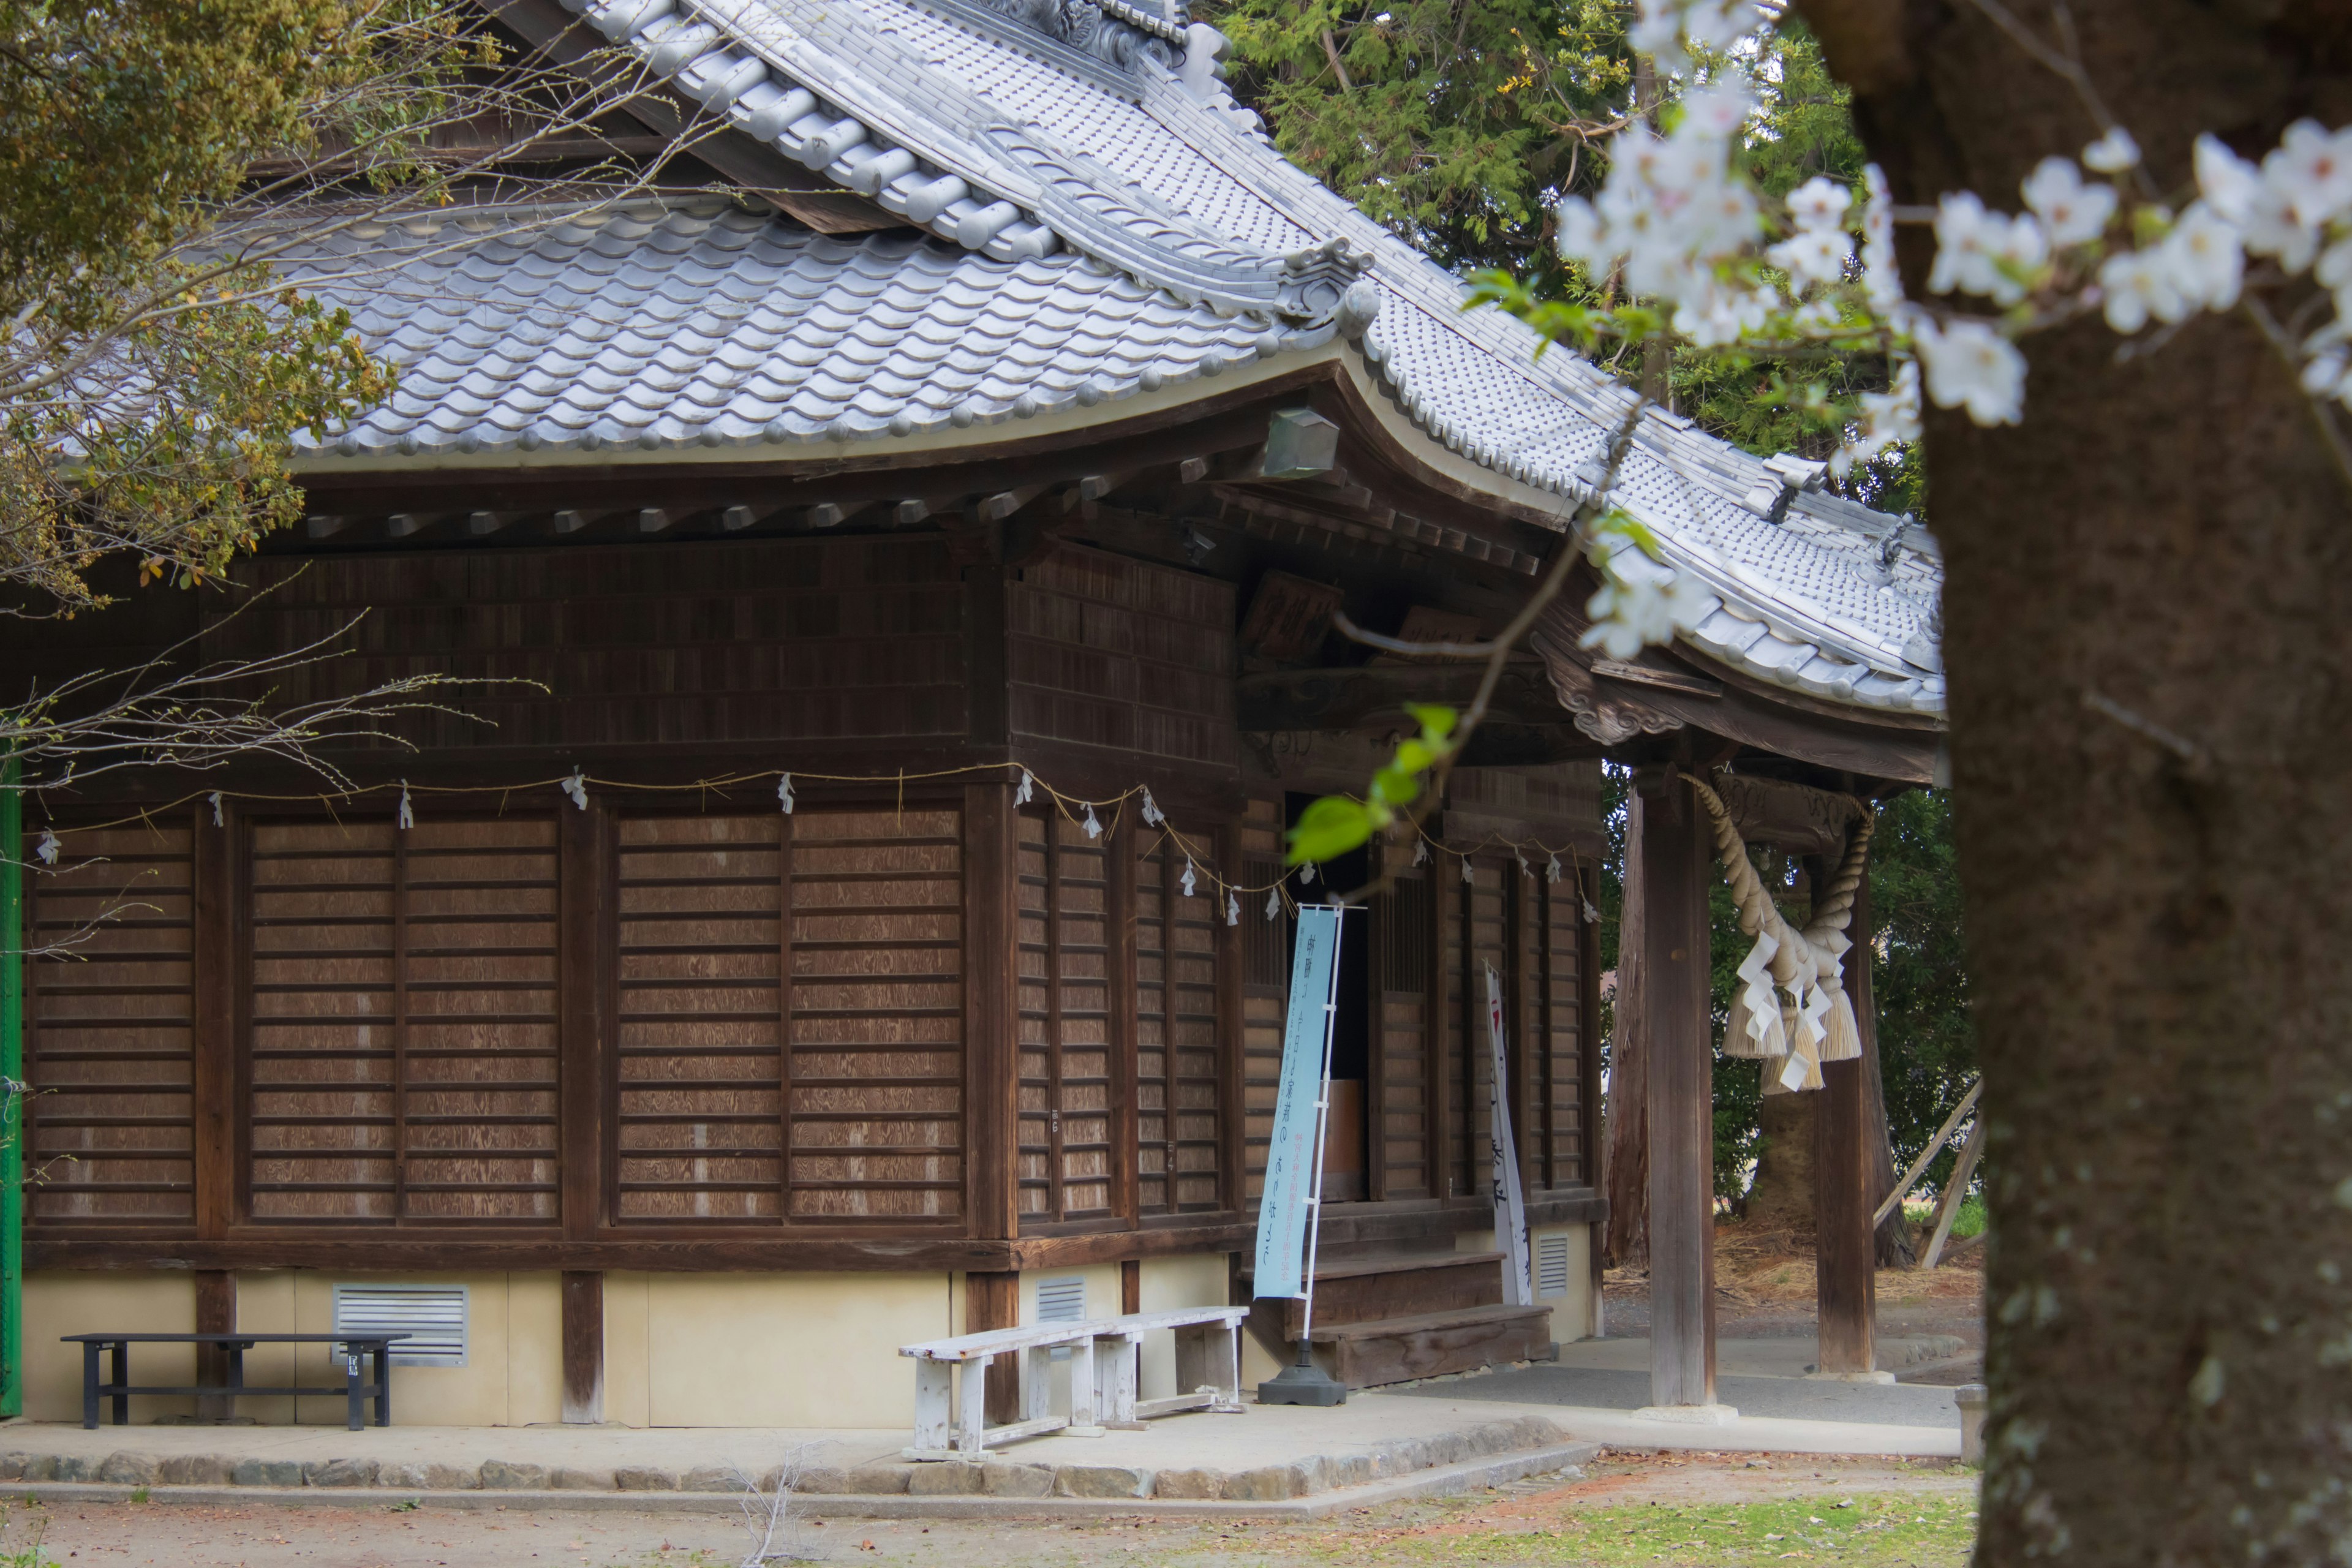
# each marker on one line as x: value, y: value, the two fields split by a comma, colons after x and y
x: 1304, y: 1383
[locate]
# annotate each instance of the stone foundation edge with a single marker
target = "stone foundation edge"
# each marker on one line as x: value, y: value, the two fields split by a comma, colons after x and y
x: 1438, y: 1481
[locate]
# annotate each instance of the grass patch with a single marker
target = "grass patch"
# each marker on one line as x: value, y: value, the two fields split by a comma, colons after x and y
x: 1859, y: 1532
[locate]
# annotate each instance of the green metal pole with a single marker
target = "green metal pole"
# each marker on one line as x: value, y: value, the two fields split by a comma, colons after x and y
x: 12, y: 1099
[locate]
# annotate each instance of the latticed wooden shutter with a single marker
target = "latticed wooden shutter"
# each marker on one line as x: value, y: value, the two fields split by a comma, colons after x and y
x: 1265, y: 990
x: 1065, y: 1003
x: 109, y: 1010
x: 403, y: 1020
x: 1557, y: 1138
x: 876, y: 1016
x: 1403, y: 942
x: 702, y: 1017
x: 1176, y: 1078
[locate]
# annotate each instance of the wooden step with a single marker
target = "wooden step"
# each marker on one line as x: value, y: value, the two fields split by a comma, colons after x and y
x: 1372, y: 1290
x: 1397, y: 1349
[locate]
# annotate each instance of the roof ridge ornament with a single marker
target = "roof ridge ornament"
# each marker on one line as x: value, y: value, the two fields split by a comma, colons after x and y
x: 1116, y: 31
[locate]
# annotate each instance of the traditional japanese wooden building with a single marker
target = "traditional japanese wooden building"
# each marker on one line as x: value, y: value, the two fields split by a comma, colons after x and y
x: 848, y: 909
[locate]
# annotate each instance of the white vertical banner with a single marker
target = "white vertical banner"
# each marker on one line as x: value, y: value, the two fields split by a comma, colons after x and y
x: 1294, y: 1151
x: 1510, y: 1203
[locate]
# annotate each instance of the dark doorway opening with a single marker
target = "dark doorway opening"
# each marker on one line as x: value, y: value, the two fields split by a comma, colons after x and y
x: 1345, y: 1177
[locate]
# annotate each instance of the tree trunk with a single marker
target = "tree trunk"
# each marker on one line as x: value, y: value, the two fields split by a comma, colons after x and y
x: 2156, y: 931
x: 1781, y: 1196
x: 1628, y: 1114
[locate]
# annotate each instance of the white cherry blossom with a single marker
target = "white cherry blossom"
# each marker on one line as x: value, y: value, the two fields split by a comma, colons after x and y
x: 1629, y: 616
x: 1969, y: 365
x: 1881, y: 283
x: 2112, y: 153
x: 2225, y: 180
x: 1979, y: 251
x: 2312, y: 168
x: 2072, y: 211
x: 1889, y: 418
x: 1819, y: 202
x: 2206, y: 259
x: 1813, y: 255
x: 2135, y: 287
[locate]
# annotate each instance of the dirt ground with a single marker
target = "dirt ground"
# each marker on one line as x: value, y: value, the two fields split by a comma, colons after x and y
x: 1764, y: 1287
x: 1614, y: 1515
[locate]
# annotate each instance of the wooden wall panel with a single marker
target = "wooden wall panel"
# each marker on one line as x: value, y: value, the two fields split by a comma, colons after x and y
x: 1403, y: 937
x: 700, y: 1060
x: 109, y: 1042
x: 1177, y: 1080
x: 403, y: 1035
x: 1063, y: 1097
x: 1559, y: 1129
x: 877, y: 1067
x: 1265, y: 990
x: 1106, y: 651
x: 726, y: 641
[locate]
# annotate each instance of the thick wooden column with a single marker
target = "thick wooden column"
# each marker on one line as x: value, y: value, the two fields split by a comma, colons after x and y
x: 213, y: 884
x: 991, y: 1145
x: 1232, y: 1048
x: 585, y: 967
x: 583, y: 1347
x: 1677, y: 1029
x: 1119, y: 974
x: 1845, y: 1300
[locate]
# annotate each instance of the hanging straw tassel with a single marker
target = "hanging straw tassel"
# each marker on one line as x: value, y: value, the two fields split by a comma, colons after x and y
x: 1846, y: 1035
x: 1754, y: 1028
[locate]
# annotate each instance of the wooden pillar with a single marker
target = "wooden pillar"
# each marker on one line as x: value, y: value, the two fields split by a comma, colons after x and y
x: 1677, y: 1029
x: 586, y: 966
x: 1592, y: 1149
x: 1233, y: 1046
x: 992, y: 1300
x: 1845, y: 1300
x: 1119, y: 969
x: 215, y: 1314
x: 1625, y: 1159
x: 991, y: 1145
x: 583, y: 1347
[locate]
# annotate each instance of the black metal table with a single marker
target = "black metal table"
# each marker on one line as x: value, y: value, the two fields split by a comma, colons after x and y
x: 120, y: 1388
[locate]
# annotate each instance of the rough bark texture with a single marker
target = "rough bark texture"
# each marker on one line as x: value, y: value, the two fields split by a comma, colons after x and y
x: 2156, y: 946
x: 1781, y: 1196
x: 1626, y: 1117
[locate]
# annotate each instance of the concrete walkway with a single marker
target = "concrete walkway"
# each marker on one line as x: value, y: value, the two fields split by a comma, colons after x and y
x: 1447, y: 1434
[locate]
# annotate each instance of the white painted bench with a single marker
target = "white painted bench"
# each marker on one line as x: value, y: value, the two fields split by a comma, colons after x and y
x: 1208, y: 1364
x: 1105, y: 1354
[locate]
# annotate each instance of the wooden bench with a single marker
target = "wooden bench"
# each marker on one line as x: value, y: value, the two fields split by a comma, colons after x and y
x: 1105, y: 1354
x: 1208, y: 1364
x: 355, y: 1393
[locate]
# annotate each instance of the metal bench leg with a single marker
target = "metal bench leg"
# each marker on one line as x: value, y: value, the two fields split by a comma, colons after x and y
x: 354, y: 1401
x: 121, y: 1359
x: 383, y: 1386
x: 1225, y: 1366
x: 90, y: 1385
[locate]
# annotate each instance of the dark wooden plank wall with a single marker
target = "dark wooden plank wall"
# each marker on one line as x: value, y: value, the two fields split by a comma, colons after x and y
x: 1178, y: 1071
x: 110, y: 1036
x: 1066, y: 1004
x: 806, y: 640
x: 1404, y: 938
x: 401, y: 1042
x: 878, y: 1068
x: 1104, y: 651
x: 702, y: 1015
x: 1265, y: 989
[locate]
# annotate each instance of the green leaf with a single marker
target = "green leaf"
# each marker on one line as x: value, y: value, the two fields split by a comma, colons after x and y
x: 1412, y: 757
x: 1436, y: 722
x: 1329, y: 829
x: 1395, y: 786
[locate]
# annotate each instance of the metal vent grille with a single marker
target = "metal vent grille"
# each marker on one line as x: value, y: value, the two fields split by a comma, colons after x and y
x: 1062, y: 1301
x: 433, y: 1316
x: 1552, y: 1265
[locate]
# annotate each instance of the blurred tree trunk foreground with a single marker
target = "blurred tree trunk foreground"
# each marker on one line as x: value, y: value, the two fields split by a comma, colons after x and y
x: 2156, y: 931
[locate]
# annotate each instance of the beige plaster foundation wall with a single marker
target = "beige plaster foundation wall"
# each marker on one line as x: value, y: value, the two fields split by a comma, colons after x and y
x: 78, y: 1301
x: 769, y: 1349
x: 1169, y: 1283
x: 1571, y: 1315
x: 513, y: 1374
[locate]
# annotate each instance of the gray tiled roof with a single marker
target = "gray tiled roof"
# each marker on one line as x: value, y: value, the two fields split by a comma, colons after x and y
x: 1102, y: 230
